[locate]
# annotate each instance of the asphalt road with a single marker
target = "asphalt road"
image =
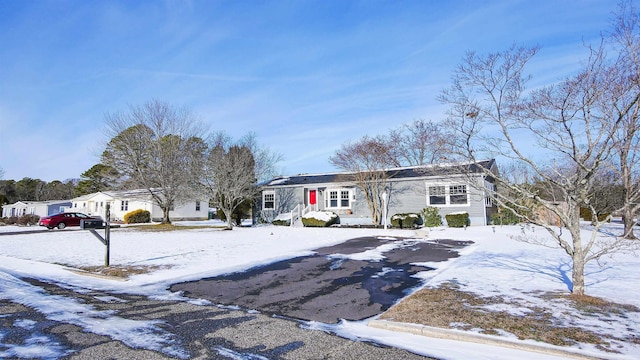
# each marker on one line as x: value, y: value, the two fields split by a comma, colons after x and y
x: 189, y: 332
x: 328, y: 286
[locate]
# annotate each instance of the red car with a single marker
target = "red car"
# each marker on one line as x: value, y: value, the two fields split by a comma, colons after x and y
x: 62, y: 220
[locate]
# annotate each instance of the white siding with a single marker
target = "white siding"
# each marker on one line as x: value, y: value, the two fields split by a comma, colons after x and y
x: 124, y: 202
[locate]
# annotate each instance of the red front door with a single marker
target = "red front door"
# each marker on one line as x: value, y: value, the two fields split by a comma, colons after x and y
x: 312, y: 197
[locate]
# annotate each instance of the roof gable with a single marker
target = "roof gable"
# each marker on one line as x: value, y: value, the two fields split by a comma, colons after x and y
x: 116, y: 194
x: 90, y: 196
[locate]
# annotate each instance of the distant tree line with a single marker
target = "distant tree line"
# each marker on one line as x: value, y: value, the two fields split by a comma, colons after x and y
x: 29, y: 189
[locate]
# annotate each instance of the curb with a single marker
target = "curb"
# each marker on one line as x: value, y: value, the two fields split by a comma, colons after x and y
x: 99, y: 276
x: 456, y: 335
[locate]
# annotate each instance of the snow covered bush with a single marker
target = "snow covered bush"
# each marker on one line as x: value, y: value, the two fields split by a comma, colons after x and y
x: 137, y: 217
x: 320, y: 219
x: 282, y: 220
x: 431, y: 216
x: 406, y: 221
x: 459, y: 219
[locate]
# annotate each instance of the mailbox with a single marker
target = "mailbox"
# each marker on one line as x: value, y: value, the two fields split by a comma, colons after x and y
x: 91, y: 224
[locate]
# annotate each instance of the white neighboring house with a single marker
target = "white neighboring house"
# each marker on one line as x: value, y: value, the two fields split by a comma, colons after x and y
x: 125, y: 201
x: 40, y: 208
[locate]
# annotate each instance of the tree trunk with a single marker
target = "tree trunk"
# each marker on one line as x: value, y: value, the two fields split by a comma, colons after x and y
x: 578, y: 259
x: 577, y: 275
x: 165, y: 215
x: 229, y: 215
x: 577, y: 253
x: 629, y: 223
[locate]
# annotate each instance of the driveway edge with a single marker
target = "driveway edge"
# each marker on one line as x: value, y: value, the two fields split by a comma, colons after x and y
x: 456, y: 335
x: 98, y: 276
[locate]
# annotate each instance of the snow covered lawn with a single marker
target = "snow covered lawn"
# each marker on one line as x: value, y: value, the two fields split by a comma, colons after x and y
x: 495, y: 265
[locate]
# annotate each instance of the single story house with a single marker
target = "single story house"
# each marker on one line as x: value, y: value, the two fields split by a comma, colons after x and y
x: 451, y: 188
x: 124, y: 201
x: 40, y: 208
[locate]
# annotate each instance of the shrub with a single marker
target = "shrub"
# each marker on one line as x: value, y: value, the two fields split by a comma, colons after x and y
x: 243, y: 211
x: 320, y: 219
x: 460, y: 219
x: 406, y: 221
x: 11, y: 220
x: 587, y: 215
x: 505, y: 216
x: 431, y: 216
x: 282, y: 220
x: 137, y: 217
x: 28, y: 219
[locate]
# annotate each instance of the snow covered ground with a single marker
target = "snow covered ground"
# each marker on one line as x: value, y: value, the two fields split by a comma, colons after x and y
x: 495, y: 264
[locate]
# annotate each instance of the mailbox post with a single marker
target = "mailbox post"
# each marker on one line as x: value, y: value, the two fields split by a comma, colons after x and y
x: 93, y: 224
x: 107, y: 234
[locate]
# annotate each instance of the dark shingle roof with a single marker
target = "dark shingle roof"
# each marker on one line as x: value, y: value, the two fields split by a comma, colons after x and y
x: 397, y: 173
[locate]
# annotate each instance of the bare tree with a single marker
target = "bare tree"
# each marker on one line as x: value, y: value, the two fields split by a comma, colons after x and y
x: 626, y: 38
x: 233, y: 169
x: 1, y: 173
x: 266, y: 160
x: 562, y: 134
x: 230, y: 177
x: 420, y: 142
x: 366, y: 161
x: 158, y: 147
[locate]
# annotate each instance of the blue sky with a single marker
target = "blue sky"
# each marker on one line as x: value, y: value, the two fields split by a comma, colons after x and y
x: 305, y: 76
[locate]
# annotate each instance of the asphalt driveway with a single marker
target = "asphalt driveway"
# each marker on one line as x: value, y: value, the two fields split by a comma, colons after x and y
x: 353, y: 280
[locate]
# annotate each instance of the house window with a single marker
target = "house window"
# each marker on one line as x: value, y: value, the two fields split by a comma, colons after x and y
x: 339, y: 199
x: 197, y: 205
x: 124, y: 205
x: 333, y: 199
x: 269, y: 200
x: 437, y: 195
x: 490, y: 190
x: 453, y: 195
x: 458, y: 195
x: 344, y: 198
